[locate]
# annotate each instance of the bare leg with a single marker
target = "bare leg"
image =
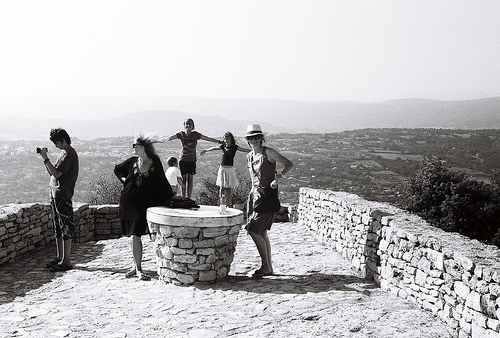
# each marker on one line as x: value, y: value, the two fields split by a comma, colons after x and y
x: 264, y: 248
x: 222, y: 195
x: 225, y: 196
x: 189, y: 185
x: 136, y: 246
x: 66, y: 258
x: 185, y: 179
x: 59, y: 248
x: 229, y: 193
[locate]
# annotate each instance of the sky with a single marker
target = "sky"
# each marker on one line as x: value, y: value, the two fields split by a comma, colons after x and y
x: 288, y: 50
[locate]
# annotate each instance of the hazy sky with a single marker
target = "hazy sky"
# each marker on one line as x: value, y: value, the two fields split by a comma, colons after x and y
x: 298, y: 50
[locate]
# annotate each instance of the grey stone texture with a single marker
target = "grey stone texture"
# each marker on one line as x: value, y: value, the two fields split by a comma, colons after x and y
x: 453, y: 277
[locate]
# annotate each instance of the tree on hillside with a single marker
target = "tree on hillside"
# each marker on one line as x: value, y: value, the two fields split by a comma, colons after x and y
x: 450, y: 201
x: 105, y: 191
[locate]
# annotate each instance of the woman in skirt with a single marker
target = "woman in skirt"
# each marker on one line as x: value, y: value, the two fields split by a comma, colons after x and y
x: 226, y: 177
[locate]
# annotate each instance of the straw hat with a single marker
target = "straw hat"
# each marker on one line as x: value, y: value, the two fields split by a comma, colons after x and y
x: 254, y: 129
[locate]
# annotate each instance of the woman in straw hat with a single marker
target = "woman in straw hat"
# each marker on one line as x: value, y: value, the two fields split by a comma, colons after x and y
x: 261, y: 161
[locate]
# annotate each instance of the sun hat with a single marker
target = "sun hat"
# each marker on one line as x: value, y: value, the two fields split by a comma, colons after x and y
x: 254, y: 129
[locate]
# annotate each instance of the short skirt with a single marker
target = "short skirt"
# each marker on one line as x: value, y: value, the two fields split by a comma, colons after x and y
x: 226, y: 177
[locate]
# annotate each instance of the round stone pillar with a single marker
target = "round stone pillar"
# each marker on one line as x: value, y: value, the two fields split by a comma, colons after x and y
x: 194, y: 245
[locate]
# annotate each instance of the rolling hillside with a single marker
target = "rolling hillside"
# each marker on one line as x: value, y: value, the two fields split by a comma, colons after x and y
x: 214, y: 117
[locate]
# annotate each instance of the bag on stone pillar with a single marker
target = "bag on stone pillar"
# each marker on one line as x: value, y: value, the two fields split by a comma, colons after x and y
x: 181, y: 202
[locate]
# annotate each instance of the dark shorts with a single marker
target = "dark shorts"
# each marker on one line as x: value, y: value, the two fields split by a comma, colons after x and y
x: 258, y: 222
x: 187, y: 167
x: 62, y: 218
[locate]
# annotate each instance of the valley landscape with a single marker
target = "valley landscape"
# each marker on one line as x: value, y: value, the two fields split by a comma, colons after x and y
x: 369, y: 149
x: 373, y: 163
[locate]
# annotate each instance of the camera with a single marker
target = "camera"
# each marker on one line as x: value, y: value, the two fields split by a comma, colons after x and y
x: 39, y: 150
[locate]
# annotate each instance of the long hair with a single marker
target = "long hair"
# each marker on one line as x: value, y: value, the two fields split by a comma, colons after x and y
x: 149, y: 148
x: 231, y: 136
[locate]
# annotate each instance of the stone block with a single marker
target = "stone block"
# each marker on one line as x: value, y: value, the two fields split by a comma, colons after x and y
x: 496, y: 276
x: 185, y: 243
x: 222, y: 272
x: 217, y: 264
x: 185, y: 278
x: 186, y: 232
x: 197, y: 266
x: 214, y: 232
x: 473, y: 301
x: 481, y: 332
x: 221, y: 240
x: 464, y: 261
x: 488, y: 305
x: 494, y: 289
x: 462, y: 290
x: 179, y: 267
x: 170, y: 241
x: 205, y: 251
x: 480, y: 319
x: 207, y: 276
x: 178, y: 251
x: 453, y: 268
x: 211, y: 259
x: 420, y: 277
x: 205, y: 243
x: 424, y: 264
x: 493, y: 324
x: 436, y: 258
x: 185, y: 258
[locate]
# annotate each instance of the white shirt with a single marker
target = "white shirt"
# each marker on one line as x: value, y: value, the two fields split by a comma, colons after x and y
x: 172, y: 173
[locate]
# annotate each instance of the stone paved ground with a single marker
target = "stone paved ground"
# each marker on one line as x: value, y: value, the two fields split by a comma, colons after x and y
x: 314, y: 293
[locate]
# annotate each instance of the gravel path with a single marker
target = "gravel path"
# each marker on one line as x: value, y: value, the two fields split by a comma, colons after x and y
x: 314, y: 293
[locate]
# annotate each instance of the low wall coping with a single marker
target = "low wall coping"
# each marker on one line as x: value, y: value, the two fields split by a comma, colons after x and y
x: 206, y: 216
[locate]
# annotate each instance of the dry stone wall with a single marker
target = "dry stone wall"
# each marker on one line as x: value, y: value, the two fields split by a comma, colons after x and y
x: 454, y: 277
x: 26, y: 227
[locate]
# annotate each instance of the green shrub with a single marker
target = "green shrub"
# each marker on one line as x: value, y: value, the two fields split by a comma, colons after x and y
x: 105, y: 191
x: 449, y: 200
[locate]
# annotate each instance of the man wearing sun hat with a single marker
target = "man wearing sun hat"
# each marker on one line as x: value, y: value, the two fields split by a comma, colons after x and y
x: 261, y: 162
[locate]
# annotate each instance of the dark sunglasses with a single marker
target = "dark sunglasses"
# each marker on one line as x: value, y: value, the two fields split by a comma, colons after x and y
x: 135, y: 145
x: 254, y: 137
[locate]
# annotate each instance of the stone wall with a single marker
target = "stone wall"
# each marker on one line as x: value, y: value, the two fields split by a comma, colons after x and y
x: 26, y: 227
x: 454, y: 277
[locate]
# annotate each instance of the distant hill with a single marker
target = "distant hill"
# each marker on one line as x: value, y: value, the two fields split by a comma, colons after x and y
x: 213, y: 117
x: 151, y: 123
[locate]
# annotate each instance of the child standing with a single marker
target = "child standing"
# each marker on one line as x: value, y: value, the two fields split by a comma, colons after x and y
x: 226, y: 177
x: 187, y: 161
x: 174, y: 175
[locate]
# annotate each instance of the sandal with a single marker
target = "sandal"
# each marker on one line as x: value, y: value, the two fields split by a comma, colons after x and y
x: 52, y: 263
x: 260, y: 273
x: 131, y: 273
x: 61, y: 267
x: 145, y: 277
